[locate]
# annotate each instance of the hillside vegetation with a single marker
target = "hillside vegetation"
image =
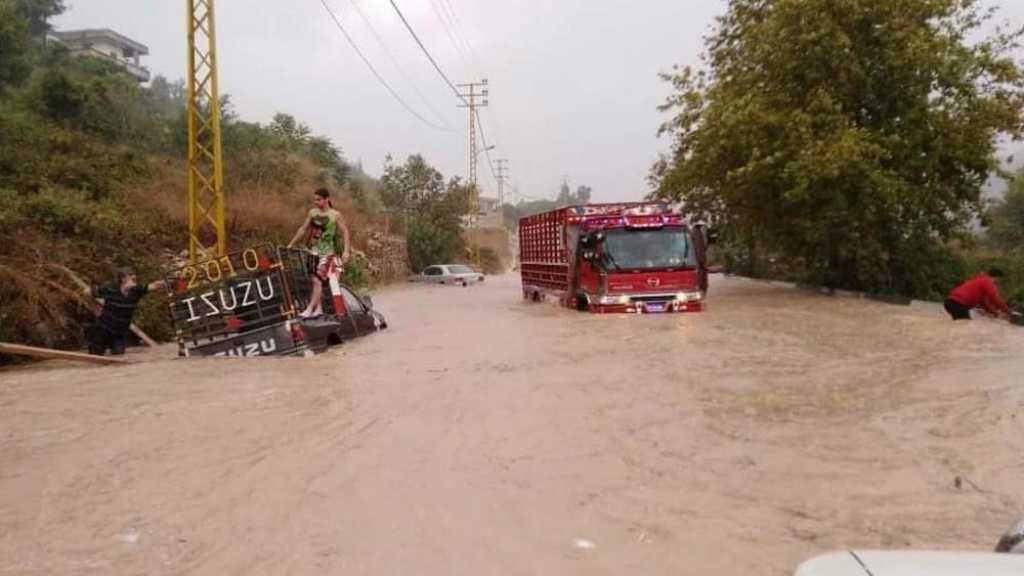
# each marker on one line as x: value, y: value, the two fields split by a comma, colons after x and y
x: 92, y: 177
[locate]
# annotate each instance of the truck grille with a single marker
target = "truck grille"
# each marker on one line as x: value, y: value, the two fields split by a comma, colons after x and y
x: 654, y: 298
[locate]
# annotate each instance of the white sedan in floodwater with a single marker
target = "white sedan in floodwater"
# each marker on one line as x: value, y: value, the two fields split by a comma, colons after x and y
x: 454, y: 274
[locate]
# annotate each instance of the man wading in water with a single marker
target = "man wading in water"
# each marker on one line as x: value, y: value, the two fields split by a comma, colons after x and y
x: 110, y: 331
x: 981, y: 291
x: 322, y: 228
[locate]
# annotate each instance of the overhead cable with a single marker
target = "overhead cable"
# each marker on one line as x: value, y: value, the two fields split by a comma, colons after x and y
x: 394, y: 60
x: 376, y: 74
x: 425, y: 51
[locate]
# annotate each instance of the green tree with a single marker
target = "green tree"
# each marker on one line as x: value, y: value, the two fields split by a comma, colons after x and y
x: 329, y: 159
x: 14, y: 46
x: 295, y: 134
x: 1007, y: 228
x: 430, y: 244
x: 428, y: 208
x: 38, y: 13
x: 410, y: 188
x: 850, y: 138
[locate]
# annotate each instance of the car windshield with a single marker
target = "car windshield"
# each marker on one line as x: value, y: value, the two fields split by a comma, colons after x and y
x: 460, y: 270
x: 637, y: 249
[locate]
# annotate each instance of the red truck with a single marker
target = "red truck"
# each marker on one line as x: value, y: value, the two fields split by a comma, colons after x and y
x: 639, y: 257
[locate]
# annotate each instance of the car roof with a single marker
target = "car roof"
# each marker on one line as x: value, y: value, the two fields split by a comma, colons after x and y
x: 912, y: 563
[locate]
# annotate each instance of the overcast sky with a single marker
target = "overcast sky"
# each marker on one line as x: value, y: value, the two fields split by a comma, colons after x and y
x: 573, y: 83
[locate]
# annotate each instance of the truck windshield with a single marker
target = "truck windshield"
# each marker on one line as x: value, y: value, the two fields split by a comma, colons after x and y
x: 638, y: 249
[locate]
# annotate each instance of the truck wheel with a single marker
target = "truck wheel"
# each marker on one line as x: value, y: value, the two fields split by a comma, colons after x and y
x: 581, y: 303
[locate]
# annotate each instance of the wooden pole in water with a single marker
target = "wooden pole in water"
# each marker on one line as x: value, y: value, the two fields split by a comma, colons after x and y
x: 50, y: 354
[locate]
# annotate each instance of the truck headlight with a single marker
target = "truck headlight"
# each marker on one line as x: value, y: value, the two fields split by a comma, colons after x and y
x: 689, y: 296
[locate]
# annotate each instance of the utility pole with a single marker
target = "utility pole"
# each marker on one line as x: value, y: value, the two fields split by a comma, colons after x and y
x: 474, y: 96
x: 502, y: 176
x: 207, y: 236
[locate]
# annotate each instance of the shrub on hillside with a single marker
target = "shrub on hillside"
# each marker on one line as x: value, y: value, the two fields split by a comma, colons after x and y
x: 356, y: 272
x: 431, y: 244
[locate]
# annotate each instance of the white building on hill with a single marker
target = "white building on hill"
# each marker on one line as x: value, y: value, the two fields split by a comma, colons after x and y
x: 107, y: 44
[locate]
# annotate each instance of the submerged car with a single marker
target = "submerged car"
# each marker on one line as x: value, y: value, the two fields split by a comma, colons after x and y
x: 329, y: 329
x: 456, y: 274
x: 355, y: 316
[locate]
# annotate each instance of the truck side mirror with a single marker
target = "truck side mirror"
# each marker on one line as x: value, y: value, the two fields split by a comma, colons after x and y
x: 368, y: 301
x: 712, y: 236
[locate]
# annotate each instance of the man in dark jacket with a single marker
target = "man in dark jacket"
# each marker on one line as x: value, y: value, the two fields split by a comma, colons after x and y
x: 981, y: 291
x: 110, y: 331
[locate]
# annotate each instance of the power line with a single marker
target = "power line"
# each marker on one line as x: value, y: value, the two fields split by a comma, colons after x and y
x: 495, y: 126
x: 457, y: 24
x: 376, y: 74
x: 424, y: 49
x: 487, y: 151
x: 475, y: 112
x: 448, y: 30
x: 502, y: 178
x: 394, y: 60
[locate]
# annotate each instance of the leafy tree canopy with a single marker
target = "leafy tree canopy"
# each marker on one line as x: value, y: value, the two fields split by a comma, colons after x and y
x: 847, y: 136
x: 14, y: 39
x: 39, y: 12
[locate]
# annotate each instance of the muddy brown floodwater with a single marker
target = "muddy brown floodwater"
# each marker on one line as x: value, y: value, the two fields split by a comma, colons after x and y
x: 485, y: 435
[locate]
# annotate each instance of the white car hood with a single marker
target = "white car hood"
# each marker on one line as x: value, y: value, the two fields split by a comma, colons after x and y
x: 913, y: 563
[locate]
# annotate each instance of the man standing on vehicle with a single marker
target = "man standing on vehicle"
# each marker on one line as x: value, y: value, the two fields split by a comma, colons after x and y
x: 110, y: 331
x: 322, y: 227
x: 981, y: 291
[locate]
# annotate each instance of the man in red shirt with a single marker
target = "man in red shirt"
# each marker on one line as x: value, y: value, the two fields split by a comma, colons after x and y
x: 980, y: 291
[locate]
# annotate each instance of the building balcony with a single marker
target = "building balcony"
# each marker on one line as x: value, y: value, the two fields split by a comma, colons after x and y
x: 141, y: 73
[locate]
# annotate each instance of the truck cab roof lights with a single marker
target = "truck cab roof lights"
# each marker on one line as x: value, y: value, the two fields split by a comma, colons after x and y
x: 656, y: 221
x: 603, y: 222
x: 621, y: 209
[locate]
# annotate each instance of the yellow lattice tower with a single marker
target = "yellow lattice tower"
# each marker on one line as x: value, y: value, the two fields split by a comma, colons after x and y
x: 205, y: 159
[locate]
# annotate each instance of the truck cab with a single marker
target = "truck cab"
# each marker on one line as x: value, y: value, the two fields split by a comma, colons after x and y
x: 649, y: 269
x: 639, y: 257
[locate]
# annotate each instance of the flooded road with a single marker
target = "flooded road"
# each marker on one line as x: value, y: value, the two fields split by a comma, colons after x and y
x: 485, y: 435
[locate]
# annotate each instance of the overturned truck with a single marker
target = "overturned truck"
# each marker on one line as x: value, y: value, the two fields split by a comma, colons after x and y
x: 245, y: 304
